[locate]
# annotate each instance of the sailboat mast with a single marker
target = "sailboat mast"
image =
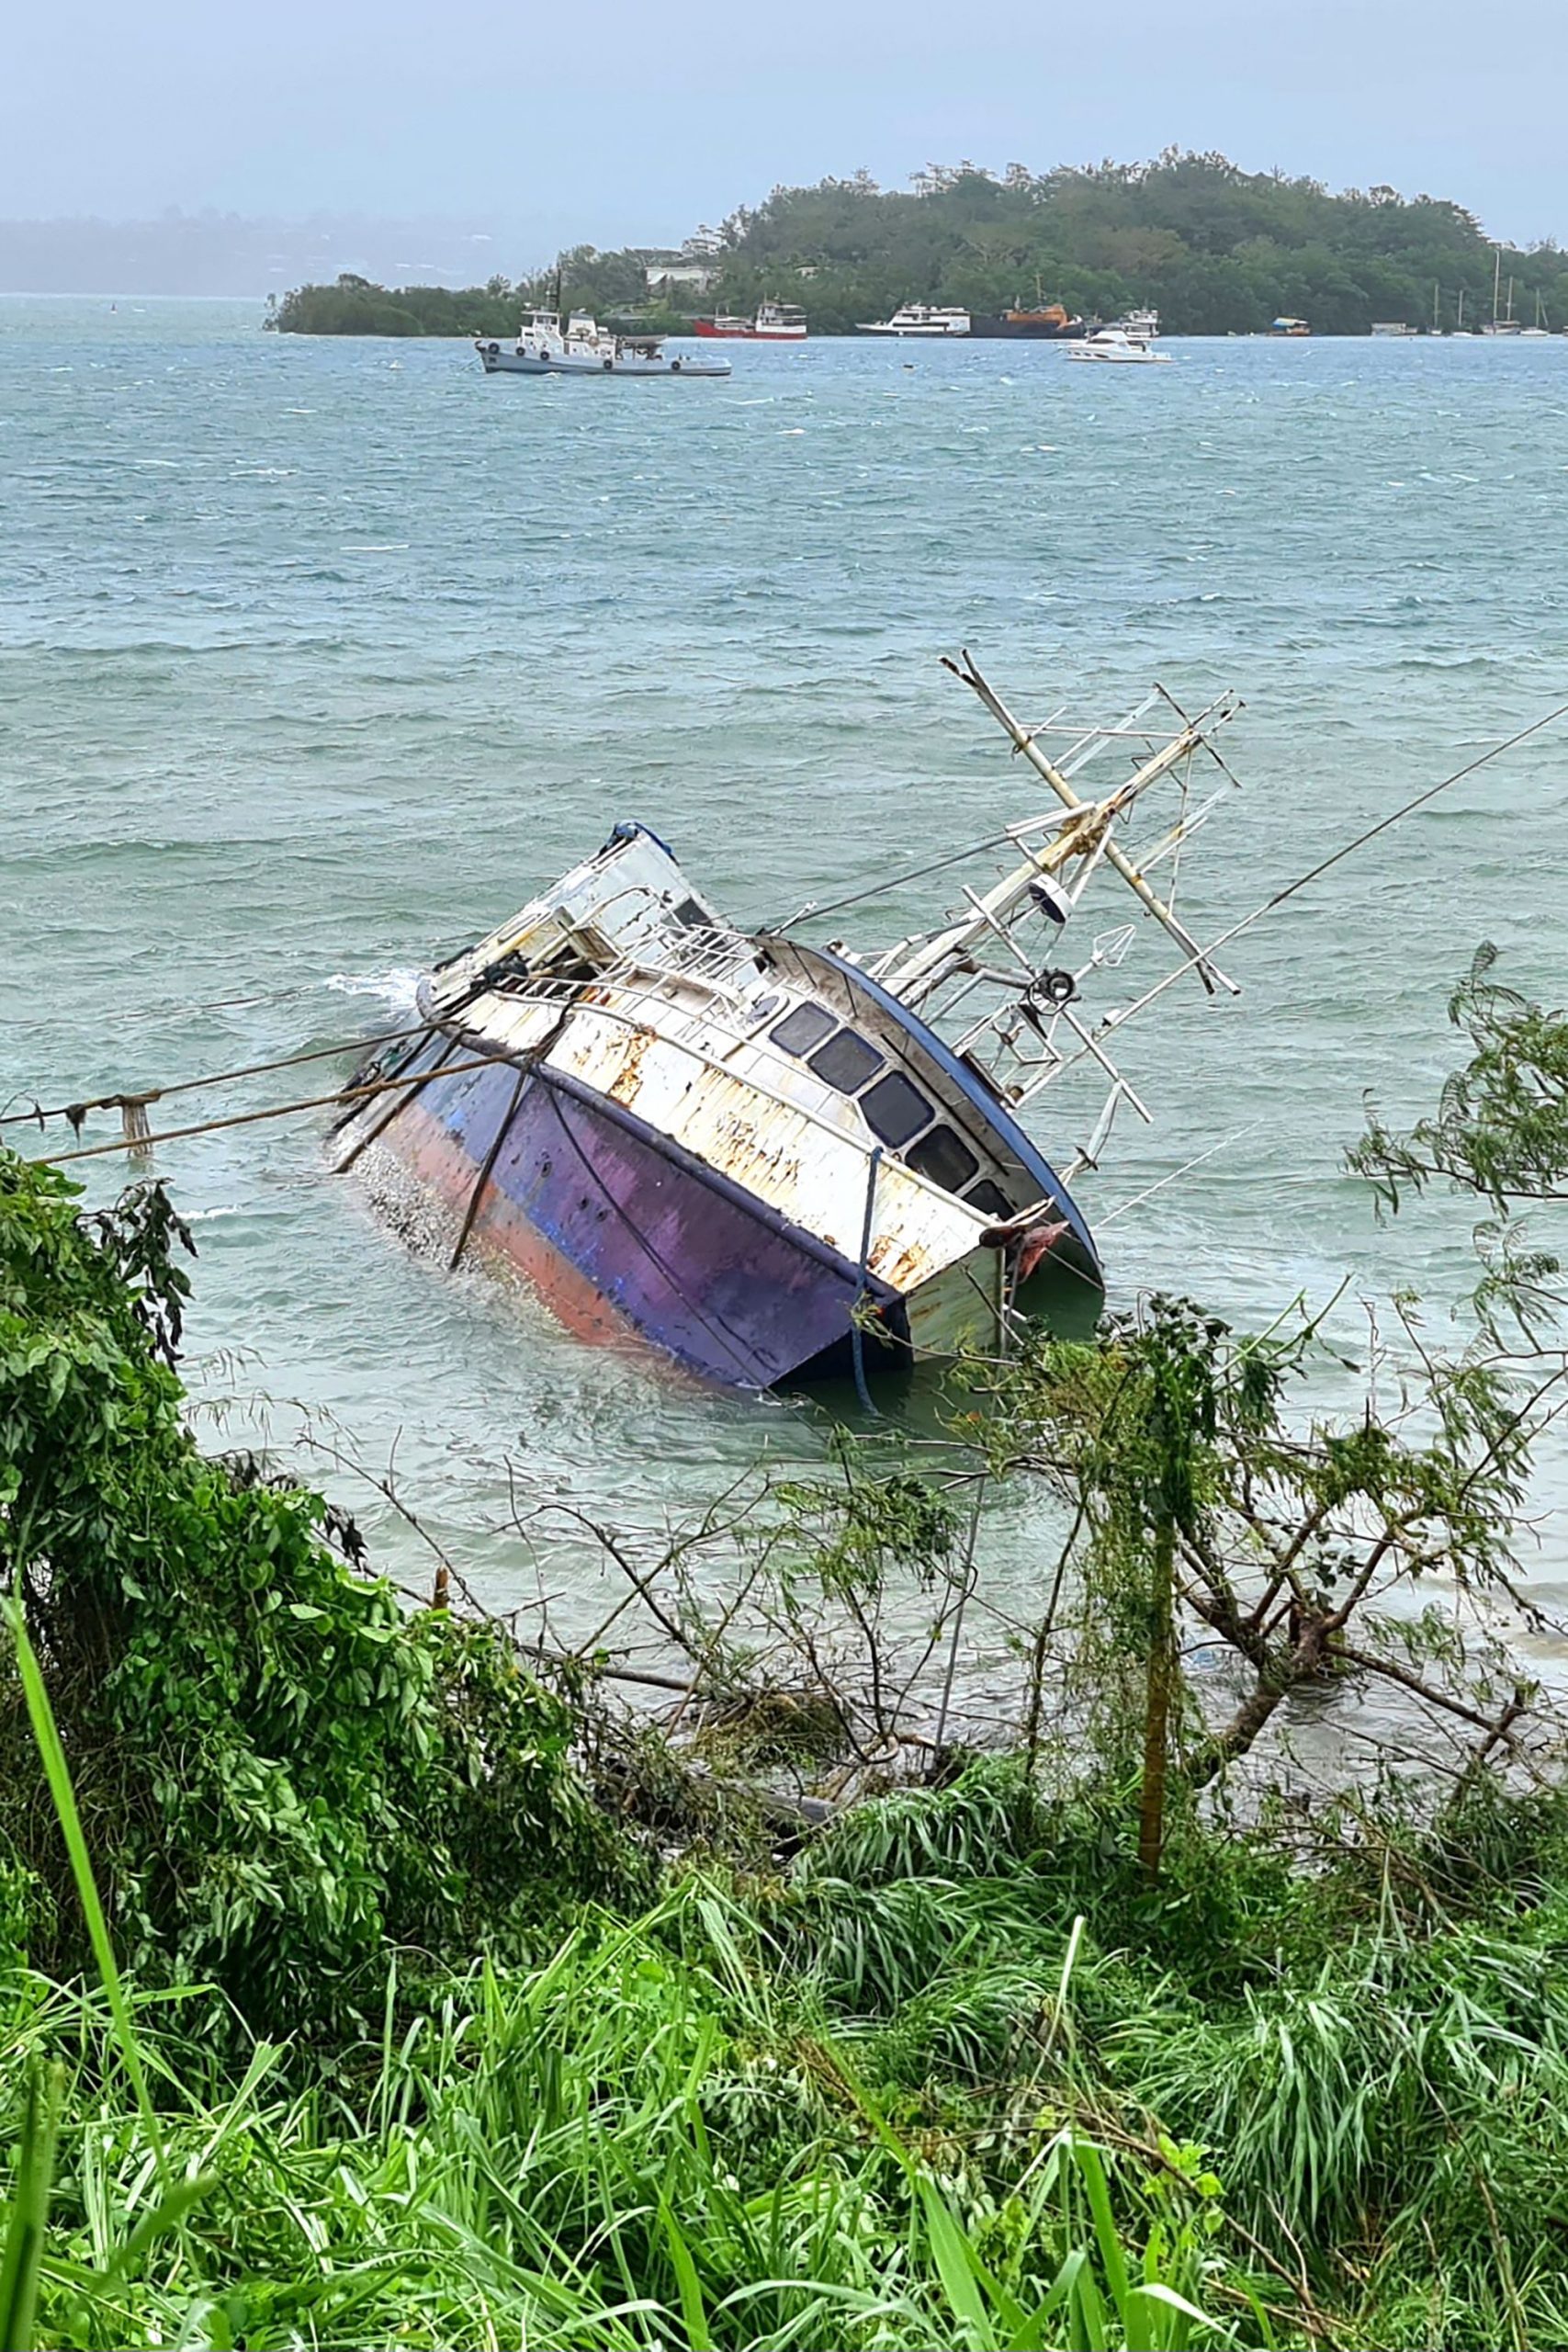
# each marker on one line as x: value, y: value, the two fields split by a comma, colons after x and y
x: 1496, y: 279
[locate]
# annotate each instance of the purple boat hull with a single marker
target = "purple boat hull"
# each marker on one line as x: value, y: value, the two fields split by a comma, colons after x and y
x: 619, y: 1229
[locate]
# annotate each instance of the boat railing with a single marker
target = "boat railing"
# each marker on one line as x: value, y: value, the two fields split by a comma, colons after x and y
x: 711, y: 954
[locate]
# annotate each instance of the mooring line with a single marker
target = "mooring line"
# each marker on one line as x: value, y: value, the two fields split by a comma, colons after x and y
x: 76, y: 1112
x: 277, y: 1111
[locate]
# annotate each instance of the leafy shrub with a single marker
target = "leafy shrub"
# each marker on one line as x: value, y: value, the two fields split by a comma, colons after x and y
x: 279, y: 1771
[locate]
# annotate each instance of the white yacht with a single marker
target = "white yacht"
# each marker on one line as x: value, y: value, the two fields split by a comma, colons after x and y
x: 583, y: 347
x: 1141, y: 326
x: 919, y: 317
x: 1112, y: 346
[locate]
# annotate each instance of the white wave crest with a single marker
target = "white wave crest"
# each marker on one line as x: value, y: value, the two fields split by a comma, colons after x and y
x: 394, y: 989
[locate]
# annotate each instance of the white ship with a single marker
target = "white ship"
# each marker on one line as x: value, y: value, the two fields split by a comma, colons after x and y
x: 583, y: 347
x: 919, y: 317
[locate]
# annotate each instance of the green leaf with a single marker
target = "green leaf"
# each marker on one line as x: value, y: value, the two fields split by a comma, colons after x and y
x: 23, y: 2256
x: 698, y: 2334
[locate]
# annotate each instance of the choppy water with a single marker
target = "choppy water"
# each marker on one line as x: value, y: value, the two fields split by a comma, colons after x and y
x: 317, y: 656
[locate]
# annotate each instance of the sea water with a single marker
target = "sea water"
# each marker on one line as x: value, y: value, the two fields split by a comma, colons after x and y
x: 318, y: 657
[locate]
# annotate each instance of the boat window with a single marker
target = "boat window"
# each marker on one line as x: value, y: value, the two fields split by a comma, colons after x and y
x: 805, y: 1027
x: 990, y: 1199
x: 944, y: 1157
x: 895, y: 1110
x: 846, y: 1061
x: 689, y: 914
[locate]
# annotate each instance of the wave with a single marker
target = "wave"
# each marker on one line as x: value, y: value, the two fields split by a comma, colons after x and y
x: 395, y: 989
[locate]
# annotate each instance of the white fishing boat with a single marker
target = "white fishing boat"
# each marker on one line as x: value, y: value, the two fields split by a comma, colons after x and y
x: 583, y: 347
x: 1141, y: 326
x: 1111, y: 346
x: 774, y: 1160
x: 919, y: 317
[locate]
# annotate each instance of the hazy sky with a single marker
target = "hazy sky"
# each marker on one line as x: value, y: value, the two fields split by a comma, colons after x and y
x: 620, y: 123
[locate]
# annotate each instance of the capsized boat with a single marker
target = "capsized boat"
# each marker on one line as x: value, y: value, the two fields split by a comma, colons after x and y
x: 773, y: 322
x: 775, y: 1159
x: 583, y: 347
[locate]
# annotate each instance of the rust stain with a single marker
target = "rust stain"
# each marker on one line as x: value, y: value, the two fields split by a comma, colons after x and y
x: 625, y: 1085
x: 899, y: 1261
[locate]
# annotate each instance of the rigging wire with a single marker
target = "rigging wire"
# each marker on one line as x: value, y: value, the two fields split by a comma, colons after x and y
x: 1346, y: 849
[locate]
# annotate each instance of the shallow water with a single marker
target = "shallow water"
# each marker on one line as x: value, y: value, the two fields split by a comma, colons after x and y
x: 316, y: 656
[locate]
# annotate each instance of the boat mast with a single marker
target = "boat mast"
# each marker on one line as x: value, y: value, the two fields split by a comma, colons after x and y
x: 1496, y: 279
x: 1437, y: 293
x: 1086, y: 832
x: 1459, y: 323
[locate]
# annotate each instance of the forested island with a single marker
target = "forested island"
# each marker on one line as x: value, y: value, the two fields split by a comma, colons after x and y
x: 1215, y: 249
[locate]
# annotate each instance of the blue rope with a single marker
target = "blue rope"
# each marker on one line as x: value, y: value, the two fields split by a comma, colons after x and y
x: 857, y: 1337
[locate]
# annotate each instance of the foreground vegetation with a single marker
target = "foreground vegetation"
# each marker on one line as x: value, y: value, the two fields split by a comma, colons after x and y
x: 1216, y: 250
x: 366, y: 1985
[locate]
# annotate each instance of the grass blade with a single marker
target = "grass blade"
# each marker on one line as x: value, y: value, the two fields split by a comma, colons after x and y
x: 20, y: 2264
x: 46, y: 1735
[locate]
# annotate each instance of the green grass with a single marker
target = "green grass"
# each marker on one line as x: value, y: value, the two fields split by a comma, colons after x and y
x: 633, y: 2145
x: 954, y: 2079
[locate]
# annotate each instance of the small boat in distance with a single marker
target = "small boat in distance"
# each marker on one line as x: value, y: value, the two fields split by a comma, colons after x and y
x: 1141, y: 326
x: 1289, y: 327
x: 1394, y: 330
x: 1501, y: 323
x: 919, y: 318
x: 1112, y: 347
x: 1047, y: 323
x: 544, y: 347
x: 774, y: 323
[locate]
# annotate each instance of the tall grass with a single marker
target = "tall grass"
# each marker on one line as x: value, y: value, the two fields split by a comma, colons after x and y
x: 903, y: 2098
x: 631, y: 2146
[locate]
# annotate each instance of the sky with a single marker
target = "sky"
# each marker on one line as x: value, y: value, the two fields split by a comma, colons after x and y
x: 613, y: 123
